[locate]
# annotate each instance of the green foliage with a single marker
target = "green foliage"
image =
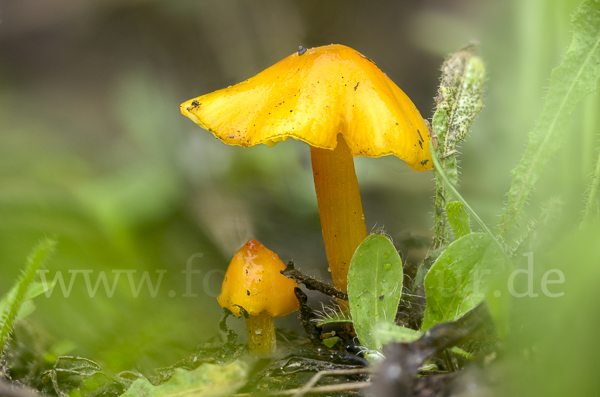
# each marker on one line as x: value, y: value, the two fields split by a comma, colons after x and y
x: 388, y: 333
x: 27, y: 307
x: 330, y: 342
x: 459, y: 279
x: 71, y: 371
x: 207, y: 380
x: 570, y: 82
x: 459, y: 219
x: 453, y: 189
x: 335, y: 318
x: 591, y: 203
x: 563, y: 328
x: 459, y: 100
x: 22, y: 292
x: 374, y: 287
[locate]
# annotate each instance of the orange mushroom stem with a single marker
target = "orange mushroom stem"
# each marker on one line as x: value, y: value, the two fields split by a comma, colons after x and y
x: 261, y: 334
x: 340, y: 207
x: 253, y: 284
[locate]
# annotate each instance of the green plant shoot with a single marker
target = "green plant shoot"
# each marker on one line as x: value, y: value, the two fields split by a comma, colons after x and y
x: 459, y: 100
x: 36, y: 260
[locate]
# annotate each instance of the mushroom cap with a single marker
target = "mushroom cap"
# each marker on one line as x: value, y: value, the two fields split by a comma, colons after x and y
x: 254, y: 282
x: 312, y: 97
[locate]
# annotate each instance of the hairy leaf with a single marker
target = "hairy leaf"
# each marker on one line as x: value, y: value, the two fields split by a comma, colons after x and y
x: 374, y: 287
x: 15, y: 302
x: 591, y: 202
x: 570, y: 82
x: 35, y: 289
x: 388, y: 333
x: 459, y: 279
x: 459, y: 100
x: 335, y: 318
x: 458, y: 218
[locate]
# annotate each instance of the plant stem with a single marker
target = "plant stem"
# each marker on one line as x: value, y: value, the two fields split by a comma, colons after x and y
x: 340, y: 208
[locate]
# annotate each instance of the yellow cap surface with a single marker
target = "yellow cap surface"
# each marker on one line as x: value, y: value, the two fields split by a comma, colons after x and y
x: 254, y: 282
x: 313, y: 97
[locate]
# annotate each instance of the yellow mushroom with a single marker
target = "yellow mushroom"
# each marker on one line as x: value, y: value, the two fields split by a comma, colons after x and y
x: 253, y: 283
x: 339, y: 102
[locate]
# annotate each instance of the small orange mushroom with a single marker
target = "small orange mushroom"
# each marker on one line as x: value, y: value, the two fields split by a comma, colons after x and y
x: 339, y: 102
x: 253, y: 283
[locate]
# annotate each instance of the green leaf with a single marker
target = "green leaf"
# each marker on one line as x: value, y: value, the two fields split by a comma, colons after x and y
x: 458, y: 218
x: 35, y: 289
x: 77, y: 366
x: 591, y: 202
x: 387, y: 333
x: 424, y: 268
x: 14, y: 302
x: 461, y: 352
x: 330, y: 342
x: 570, y: 82
x: 459, y: 279
x: 335, y: 318
x: 374, y: 287
x: 207, y: 380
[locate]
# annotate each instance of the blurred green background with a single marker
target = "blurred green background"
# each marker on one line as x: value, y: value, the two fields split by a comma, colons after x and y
x: 93, y: 148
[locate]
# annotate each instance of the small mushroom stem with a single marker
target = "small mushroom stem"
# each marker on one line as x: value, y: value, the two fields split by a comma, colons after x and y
x: 340, y: 208
x: 261, y: 334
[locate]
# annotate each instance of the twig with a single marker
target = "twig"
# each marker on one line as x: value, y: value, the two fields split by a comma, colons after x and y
x: 307, y: 316
x: 312, y: 283
x: 315, y: 390
x: 313, y: 381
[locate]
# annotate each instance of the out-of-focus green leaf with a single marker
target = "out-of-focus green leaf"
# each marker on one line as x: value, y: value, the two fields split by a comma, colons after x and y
x: 591, y: 202
x: 388, y: 333
x: 206, y: 380
x: 76, y: 366
x: 458, y: 218
x: 459, y: 279
x: 570, y: 82
x: 539, y: 361
x: 330, y: 342
x: 35, y: 289
x: 14, y: 303
x: 374, y: 287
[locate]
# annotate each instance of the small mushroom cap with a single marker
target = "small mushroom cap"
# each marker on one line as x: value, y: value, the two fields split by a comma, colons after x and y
x: 313, y: 97
x: 254, y: 282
